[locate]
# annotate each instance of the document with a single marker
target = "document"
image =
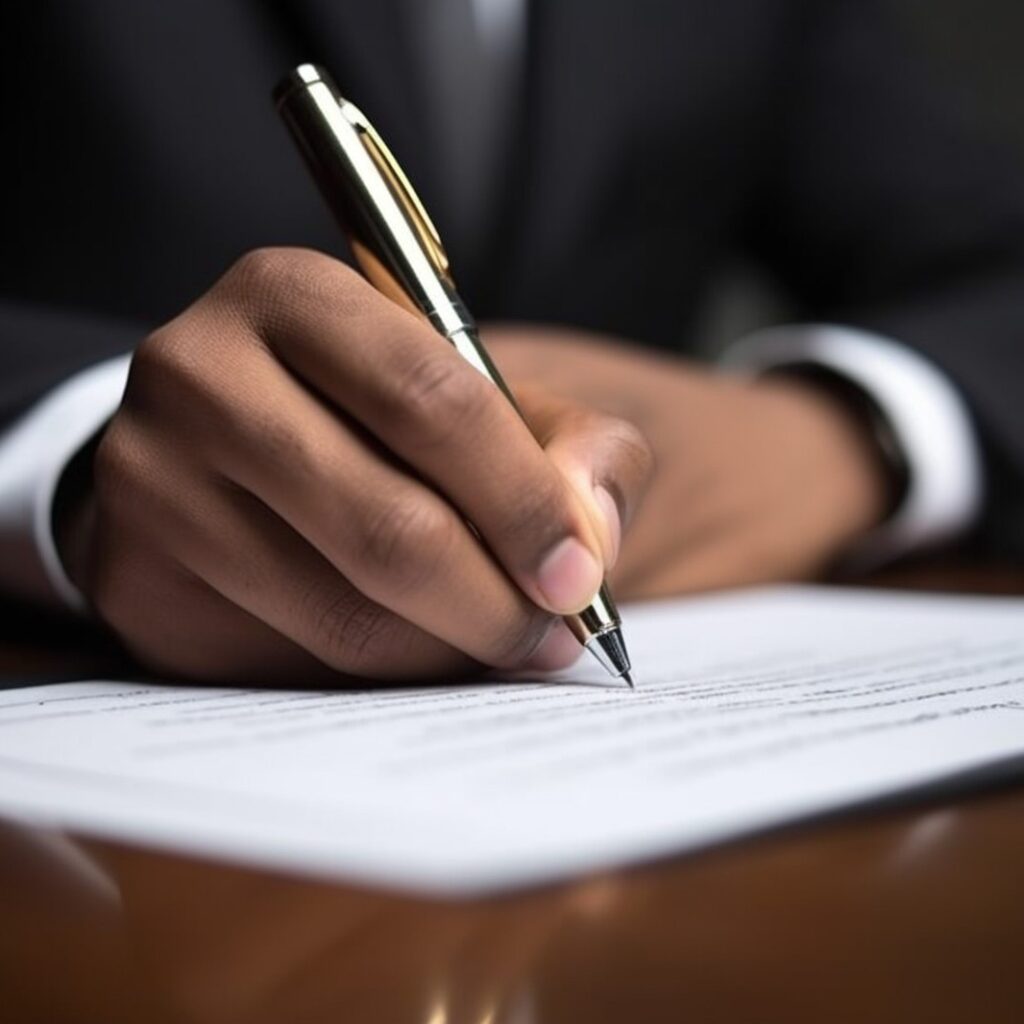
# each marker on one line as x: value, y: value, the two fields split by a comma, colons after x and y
x: 752, y: 709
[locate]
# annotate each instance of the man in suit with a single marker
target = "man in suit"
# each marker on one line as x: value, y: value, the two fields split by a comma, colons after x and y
x: 284, y: 488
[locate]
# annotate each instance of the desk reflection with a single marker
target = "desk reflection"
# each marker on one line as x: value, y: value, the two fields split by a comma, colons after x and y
x: 909, y: 915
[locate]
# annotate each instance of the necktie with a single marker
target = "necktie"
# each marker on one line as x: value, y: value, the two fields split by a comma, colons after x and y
x: 469, y: 52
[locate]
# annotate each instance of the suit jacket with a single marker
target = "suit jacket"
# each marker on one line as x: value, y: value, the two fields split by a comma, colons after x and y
x: 655, y: 139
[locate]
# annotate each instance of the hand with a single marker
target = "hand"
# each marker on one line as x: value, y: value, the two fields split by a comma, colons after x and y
x: 286, y: 490
x: 757, y: 480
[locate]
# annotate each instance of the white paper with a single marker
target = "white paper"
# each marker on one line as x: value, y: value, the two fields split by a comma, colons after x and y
x: 752, y: 709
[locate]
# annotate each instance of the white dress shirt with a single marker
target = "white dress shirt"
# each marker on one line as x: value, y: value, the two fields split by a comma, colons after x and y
x: 928, y: 417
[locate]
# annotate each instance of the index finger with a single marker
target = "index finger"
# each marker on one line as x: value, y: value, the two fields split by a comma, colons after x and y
x: 396, y: 376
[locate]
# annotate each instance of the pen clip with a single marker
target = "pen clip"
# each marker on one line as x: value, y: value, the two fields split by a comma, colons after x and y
x: 400, y: 186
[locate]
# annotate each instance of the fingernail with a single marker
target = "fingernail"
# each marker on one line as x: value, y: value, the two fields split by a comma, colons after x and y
x: 569, y: 577
x: 610, y: 510
x: 560, y: 650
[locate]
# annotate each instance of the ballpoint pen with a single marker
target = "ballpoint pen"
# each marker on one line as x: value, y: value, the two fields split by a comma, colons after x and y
x: 398, y: 250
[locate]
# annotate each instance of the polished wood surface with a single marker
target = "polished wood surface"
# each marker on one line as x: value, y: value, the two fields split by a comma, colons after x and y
x: 904, y: 913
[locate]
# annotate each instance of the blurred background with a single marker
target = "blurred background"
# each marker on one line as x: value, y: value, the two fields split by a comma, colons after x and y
x: 979, y: 46
x: 977, y: 49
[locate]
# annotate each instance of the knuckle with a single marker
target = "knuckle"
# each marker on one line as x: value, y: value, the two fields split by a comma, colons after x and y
x: 440, y: 396
x: 181, y: 385
x: 136, y: 486
x: 539, y: 514
x: 156, y: 352
x: 260, y: 270
x: 618, y: 452
x: 352, y: 633
x: 269, y: 282
x: 632, y: 450
x: 116, y: 464
x: 285, y: 443
x: 404, y: 541
x: 519, y: 638
x: 262, y: 283
x: 167, y: 365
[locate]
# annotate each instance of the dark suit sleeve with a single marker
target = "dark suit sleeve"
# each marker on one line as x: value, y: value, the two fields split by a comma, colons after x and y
x: 888, y: 206
x: 40, y: 347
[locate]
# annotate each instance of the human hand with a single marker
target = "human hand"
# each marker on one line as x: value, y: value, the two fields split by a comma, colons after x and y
x: 757, y: 480
x: 286, y: 489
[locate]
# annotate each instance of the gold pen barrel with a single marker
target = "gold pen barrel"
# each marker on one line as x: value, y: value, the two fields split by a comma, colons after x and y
x: 399, y: 251
x: 391, y: 236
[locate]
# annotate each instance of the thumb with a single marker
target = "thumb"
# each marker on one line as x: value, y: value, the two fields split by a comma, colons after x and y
x: 605, y: 460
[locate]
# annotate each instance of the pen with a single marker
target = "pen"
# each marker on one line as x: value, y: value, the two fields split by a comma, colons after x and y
x: 398, y: 250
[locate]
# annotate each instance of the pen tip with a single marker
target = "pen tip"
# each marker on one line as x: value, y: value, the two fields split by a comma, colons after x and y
x: 610, y: 650
x: 629, y: 679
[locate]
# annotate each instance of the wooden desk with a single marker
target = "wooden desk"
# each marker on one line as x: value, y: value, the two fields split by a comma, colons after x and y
x: 913, y: 914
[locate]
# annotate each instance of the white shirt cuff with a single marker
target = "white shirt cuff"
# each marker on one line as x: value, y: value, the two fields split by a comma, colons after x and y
x: 926, y: 413
x: 34, y: 452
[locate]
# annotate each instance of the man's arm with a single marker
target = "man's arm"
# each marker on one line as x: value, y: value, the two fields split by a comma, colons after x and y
x: 886, y: 209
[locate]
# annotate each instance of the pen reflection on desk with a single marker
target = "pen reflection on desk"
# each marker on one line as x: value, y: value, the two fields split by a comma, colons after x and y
x: 399, y: 251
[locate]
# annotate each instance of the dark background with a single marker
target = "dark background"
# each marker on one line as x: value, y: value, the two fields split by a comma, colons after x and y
x: 979, y: 45
x: 977, y: 50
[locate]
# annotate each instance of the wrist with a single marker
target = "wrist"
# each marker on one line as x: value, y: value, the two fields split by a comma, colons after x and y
x: 866, y: 417
x: 862, y: 479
